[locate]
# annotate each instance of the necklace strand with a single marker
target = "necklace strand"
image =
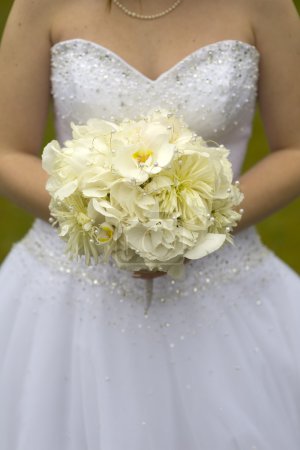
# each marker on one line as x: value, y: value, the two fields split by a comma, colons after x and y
x: 149, y: 16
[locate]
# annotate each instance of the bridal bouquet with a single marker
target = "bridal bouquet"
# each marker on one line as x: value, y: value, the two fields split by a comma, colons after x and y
x: 146, y: 192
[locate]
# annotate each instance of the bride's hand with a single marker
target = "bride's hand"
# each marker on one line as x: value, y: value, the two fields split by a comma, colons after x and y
x: 148, y: 274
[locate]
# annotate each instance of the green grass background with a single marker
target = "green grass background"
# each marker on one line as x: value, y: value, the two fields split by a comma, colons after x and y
x: 280, y: 232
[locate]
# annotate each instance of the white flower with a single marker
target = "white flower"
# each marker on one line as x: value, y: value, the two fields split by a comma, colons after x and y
x: 143, y: 152
x: 75, y: 226
x: 223, y: 171
x: 133, y: 201
x: 159, y: 240
x: 86, y: 231
x: 59, y: 184
x: 186, y: 190
x: 80, y: 165
x: 225, y: 217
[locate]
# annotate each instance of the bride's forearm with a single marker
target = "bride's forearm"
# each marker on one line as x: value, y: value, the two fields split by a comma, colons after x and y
x: 22, y: 180
x: 269, y: 185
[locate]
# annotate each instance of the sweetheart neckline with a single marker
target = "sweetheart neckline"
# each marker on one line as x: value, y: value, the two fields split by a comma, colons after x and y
x: 199, y: 50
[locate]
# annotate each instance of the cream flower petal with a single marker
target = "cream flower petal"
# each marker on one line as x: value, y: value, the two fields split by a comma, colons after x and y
x: 165, y: 155
x: 66, y: 190
x: 107, y: 210
x: 127, y: 167
x: 206, y: 244
x: 50, y: 155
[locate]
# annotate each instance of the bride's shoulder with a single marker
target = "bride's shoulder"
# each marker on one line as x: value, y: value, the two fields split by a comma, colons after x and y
x: 275, y: 25
x: 33, y: 12
x: 32, y: 7
x: 266, y: 12
x: 261, y: 5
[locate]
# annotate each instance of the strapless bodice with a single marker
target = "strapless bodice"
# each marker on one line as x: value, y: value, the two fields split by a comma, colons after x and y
x: 214, y: 88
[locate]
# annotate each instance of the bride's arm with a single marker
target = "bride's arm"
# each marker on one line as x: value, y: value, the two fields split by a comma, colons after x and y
x: 24, y: 99
x: 275, y: 180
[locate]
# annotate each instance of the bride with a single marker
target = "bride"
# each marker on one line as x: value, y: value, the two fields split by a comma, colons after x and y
x: 215, y: 364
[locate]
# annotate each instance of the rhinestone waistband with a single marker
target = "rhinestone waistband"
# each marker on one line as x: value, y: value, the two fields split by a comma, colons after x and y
x: 217, y: 268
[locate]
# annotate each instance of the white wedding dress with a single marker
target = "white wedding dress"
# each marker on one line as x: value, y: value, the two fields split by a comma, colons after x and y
x: 215, y: 364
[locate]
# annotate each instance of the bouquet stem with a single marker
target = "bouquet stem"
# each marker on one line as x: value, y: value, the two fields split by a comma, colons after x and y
x: 149, y: 293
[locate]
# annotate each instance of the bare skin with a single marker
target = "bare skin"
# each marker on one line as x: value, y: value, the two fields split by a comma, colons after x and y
x: 151, y: 47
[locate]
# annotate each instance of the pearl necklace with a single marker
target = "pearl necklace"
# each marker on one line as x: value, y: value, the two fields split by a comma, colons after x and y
x: 146, y: 17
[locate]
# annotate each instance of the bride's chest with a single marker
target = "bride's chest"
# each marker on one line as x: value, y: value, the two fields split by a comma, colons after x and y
x: 153, y: 46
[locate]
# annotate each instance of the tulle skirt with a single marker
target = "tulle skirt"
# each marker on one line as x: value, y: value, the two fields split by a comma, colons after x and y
x: 214, y: 364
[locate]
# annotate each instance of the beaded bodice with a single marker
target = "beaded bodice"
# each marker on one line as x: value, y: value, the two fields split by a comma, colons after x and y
x: 214, y: 88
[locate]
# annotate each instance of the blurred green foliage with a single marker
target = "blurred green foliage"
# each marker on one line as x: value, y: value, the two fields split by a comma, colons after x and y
x: 280, y: 232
